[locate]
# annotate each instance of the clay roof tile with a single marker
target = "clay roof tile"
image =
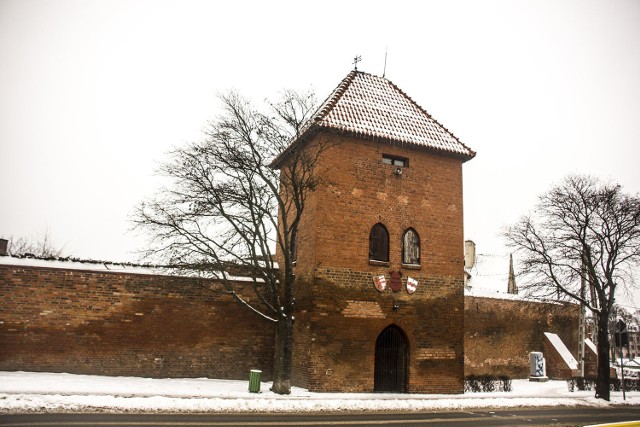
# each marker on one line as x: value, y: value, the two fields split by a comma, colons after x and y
x: 371, y: 106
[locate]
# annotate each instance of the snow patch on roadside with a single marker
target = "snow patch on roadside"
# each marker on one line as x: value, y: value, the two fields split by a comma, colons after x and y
x: 22, y: 392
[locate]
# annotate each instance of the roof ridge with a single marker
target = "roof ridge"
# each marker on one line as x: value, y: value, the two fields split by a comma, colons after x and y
x: 334, y: 96
x: 403, y: 93
x: 323, y: 109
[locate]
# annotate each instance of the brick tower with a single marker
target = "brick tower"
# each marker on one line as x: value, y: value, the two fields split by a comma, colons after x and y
x: 379, y: 288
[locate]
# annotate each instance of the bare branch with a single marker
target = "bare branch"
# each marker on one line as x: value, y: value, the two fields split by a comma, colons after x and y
x: 581, y: 222
x: 40, y: 247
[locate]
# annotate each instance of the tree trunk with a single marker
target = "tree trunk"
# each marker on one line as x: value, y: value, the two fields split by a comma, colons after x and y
x: 604, y: 369
x: 283, y: 356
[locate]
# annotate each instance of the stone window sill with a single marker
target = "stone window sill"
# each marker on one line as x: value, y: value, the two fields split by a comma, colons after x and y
x: 379, y: 263
x: 412, y: 266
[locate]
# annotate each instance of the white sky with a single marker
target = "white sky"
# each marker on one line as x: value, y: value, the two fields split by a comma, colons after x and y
x: 94, y: 93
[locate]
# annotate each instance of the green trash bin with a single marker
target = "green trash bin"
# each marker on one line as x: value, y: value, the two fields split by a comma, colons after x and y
x: 254, y: 381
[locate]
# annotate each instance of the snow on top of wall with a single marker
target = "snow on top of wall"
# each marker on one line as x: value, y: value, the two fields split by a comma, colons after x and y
x: 101, y: 267
x: 489, y: 278
x: 562, y: 349
x: 489, y: 272
x: 491, y: 293
x: 591, y: 345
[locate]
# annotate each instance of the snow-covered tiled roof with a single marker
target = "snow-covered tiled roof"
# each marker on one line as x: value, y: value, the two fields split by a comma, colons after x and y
x: 373, y: 107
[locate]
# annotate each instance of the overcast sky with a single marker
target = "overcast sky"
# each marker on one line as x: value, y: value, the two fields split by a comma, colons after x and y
x: 94, y: 93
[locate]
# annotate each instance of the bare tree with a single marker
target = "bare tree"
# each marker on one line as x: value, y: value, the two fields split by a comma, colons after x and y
x: 581, y: 228
x: 39, y: 247
x: 228, y: 208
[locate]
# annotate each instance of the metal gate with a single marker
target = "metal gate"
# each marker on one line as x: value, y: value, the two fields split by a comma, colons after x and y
x: 391, y: 361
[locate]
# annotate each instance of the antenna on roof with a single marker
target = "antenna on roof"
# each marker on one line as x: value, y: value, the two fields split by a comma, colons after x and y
x: 355, y: 62
x: 384, y: 71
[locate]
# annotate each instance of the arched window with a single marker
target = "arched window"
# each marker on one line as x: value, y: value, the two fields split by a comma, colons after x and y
x: 410, y: 247
x: 379, y: 243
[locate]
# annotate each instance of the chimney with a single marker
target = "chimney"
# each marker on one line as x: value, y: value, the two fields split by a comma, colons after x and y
x: 4, y: 244
x: 469, y: 254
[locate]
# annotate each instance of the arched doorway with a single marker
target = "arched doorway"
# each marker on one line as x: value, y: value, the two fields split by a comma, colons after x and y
x: 391, y: 362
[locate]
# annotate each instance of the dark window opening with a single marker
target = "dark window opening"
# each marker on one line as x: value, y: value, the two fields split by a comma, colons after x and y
x: 379, y: 243
x: 410, y: 247
x: 403, y: 162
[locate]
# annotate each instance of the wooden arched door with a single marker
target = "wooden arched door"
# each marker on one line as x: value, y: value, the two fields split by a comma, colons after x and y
x: 391, y: 361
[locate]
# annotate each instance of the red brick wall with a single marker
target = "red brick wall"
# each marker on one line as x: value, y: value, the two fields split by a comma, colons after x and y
x: 159, y: 326
x: 363, y: 191
x: 347, y: 315
x: 500, y: 333
x: 126, y: 324
x: 339, y: 312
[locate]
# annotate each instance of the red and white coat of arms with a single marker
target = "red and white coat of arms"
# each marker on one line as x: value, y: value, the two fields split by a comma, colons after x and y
x: 412, y: 285
x: 380, y: 282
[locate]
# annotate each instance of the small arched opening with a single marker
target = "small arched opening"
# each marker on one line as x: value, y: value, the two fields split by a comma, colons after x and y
x: 379, y: 243
x: 411, y: 247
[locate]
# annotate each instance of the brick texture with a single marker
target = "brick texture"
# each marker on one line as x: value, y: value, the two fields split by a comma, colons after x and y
x: 87, y: 322
x: 500, y: 334
x: 340, y: 313
x: 335, y: 350
x: 362, y: 191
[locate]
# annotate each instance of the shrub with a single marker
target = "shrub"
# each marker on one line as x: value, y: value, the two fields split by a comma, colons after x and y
x: 487, y: 383
x: 588, y: 384
x: 472, y: 384
x: 505, y: 383
x: 581, y: 384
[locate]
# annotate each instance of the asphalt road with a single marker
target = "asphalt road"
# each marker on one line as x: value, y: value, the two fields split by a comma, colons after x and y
x: 555, y: 416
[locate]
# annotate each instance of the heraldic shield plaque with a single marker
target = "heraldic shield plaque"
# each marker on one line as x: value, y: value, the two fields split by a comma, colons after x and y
x: 396, y: 281
x: 412, y: 285
x: 380, y: 282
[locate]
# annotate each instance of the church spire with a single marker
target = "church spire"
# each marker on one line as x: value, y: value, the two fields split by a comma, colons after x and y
x: 512, y: 287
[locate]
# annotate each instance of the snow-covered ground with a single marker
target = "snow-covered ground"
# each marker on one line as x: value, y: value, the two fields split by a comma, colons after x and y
x: 47, y: 392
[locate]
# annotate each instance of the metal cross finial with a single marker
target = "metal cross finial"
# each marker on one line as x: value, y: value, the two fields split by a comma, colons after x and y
x: 355, y: 62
